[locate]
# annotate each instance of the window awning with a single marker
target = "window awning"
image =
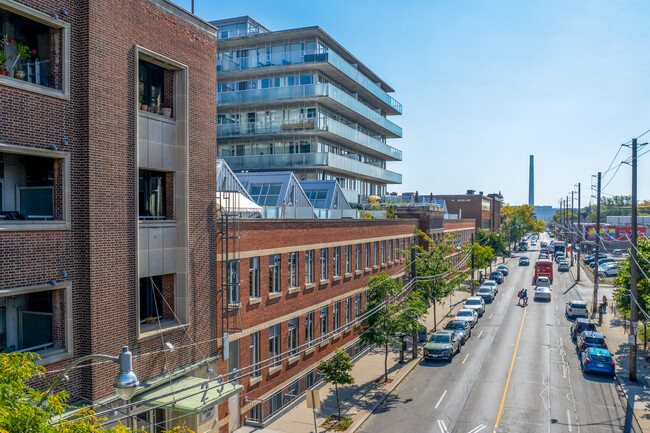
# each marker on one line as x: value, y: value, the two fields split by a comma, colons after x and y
x: 202, y: 394
x: 236, y: 202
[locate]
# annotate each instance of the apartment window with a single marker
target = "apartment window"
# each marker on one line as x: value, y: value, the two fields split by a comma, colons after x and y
x: 348, y: 259
x: 390, y: 250
x: 376, y: 254
x: 358, y: 304
x: 348, y: 310
x: 31, y: 187
x: 396, y: 257
x: 309, y: 267
x: 324, y: 319
x: 310, y: 379
x: 383, y: 252
x: 323, y: 264
x: 275, y: 402
x: 336, y: 316
x: 337, y: 261
x: 274, y: 273
x: 368, y: 263
x: 309, y: 328
x: 293, y: 269
x: 255, y: 414
x: 151, y: 299
x: 254, y: 346
x: 358, y: 258
x: 43, y: 64
x: 233, y: 281
x: 403, y: 247
x: 367, y: 296
x: 274, y: 345
x: 155, y: 87
x: 293, y: 336
x: 155, y: 194
x: 254, y: 276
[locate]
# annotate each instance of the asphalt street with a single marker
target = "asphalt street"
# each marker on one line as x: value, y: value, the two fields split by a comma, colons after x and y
x: 490, y: 387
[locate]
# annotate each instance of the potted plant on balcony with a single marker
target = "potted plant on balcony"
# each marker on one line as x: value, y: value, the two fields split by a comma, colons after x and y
x: 22, y: 52
x: 4, y: 58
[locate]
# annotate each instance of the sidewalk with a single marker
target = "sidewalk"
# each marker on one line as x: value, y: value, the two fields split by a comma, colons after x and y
x: 361, y: 399
x: 636, y: 393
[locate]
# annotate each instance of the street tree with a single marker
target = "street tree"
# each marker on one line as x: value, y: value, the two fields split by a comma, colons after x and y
x: 393, y: 313
x: 622, y: 281
x: 336, y: 370
x: 482, y: 257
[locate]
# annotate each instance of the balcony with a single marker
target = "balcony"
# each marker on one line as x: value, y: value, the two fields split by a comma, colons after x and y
x: 330, y: 96
x: 330, y: 161
x: 323, y: 126
x: 300, y: 58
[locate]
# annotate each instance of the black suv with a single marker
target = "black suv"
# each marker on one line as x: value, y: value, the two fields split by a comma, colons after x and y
x: 581, y: 325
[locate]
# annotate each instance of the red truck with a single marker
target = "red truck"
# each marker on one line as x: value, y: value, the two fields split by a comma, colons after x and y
x: 543, y: 267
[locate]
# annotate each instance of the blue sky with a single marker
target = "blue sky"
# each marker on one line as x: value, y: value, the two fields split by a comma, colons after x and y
x: 485, y: 84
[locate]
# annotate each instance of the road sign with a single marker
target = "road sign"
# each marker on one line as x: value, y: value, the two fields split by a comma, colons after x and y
x: 313, y: 399
x: 631, y: 339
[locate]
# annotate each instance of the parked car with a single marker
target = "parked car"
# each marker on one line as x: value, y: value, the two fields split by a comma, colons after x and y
x: 497, y: 276
x: 467, y: 315
x: 575, y: 308
x: 590, y: 339
x: 542, y: 293
x: 524, y: 261
x: 460, y: 327
x: 503, y: 269
x: 493, y: 285
x: 563, y: 267
x: 605, y: 271
x: 589, y: 260
x: 486, y: 293
x: 581, y: 325
x: 617, y: 252
x: 442, y: 344
x: 559, y: 256
x: 475, y: 303
x: 597, y: 360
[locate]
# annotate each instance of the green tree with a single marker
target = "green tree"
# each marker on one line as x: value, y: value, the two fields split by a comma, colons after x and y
x: 493, y: 240
x: 396, y: 313
x: 622, y: 281
x: 336, y: 370
x: 482, y: 257
x: 437, y: 278
x: 21, y: 410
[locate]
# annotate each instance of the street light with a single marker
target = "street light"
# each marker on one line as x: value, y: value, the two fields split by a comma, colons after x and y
x: 126, y: 383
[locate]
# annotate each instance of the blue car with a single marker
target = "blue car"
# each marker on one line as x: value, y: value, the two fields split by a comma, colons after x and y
x: 597, y: 360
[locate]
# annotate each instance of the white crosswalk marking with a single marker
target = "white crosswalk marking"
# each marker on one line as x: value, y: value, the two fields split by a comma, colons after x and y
x: 477, y: 429
x: 442, y: 426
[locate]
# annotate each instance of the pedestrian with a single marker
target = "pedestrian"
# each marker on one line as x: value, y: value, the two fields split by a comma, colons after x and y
x: 604, y: 304
x: 525, y: 297
x: 520, y: 295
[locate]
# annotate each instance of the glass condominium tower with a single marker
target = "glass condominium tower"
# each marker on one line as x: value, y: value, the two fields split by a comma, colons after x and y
x: 297, y: 100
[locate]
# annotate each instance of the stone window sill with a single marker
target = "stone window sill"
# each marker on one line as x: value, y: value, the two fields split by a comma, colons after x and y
x: 35, y: 225
x: 375, y: 268
x: 310, y: 286
x: 274, y: 370
x: 309, y: 351
x: 324, y: 343
x: 336, y: 278
x: 293, y: 290
x: 293, y: 359
x: 165, y: 329
x: 347, y: 275
x: 159, y: 117
x: 359, y: 272
x: 336, y: 336
x: 255, y: 380
x: 234, y: 305
x: 322, y: 282
x: 31, y: 87
x: 253, y: 301
x: 49, y: 356
x: 275, y: 295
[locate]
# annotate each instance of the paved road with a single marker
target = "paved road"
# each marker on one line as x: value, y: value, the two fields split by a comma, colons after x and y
x: 546, y: 390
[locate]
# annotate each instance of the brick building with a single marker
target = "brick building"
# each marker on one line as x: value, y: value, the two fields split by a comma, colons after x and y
x: 107, y: 207
x: 484, y: 210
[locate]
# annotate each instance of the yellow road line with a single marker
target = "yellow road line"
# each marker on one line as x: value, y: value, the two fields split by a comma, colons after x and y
x: 512, y: 364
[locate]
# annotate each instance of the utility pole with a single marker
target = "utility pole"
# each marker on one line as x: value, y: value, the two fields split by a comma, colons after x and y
x: 579, y: 236
x: 594, y: 304
x: 472, y: 279
x: 633, y: 269
x: 573, y: 238
x: 192, y: 6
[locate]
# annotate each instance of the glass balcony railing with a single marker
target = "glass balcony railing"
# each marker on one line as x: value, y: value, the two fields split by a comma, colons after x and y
x: 300, y: 57
x: 306, y: 125
x: 257, y: 96
x: 306, y: 160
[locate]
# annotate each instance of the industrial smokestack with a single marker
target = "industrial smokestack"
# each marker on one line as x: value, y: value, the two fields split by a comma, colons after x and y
x: 531, y: 182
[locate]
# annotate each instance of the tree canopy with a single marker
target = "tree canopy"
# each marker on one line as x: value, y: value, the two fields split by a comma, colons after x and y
x: 622, y: 281
x: 336, y: 370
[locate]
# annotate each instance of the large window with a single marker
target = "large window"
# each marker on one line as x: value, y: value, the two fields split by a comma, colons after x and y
x: 358, y: 304
x: 309, y: 328
x: 348, y: 259
x: 376, y: 254
x: 323, y: 264
x: 254, y: 276
x: 336, y: 316
x: 368, y: 264
x: 293, y: 336
x: 324, y: 322
x: 274, y: 345
x: 151, y: 299
x: 233, y: 281
x: 153, y: 190
x: 309, y: 266
x: 293, y: 269
x: 383, y: 252
x: 390, y: 250
x: 348, y: 310
x: 155, y: 88
x: 265, y: 194
x: 358, y: 258
x: 254, y: 345
x: 337, y: 261
x: 31, y: 187
x: 35, y: 50
x: 274, y: 273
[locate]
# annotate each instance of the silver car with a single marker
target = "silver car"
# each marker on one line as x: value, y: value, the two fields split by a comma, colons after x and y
x: 475, y: 303
x: 486, y: 293
x: 467, y: 315
x: 492, y: 284
x: 442, y: 344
